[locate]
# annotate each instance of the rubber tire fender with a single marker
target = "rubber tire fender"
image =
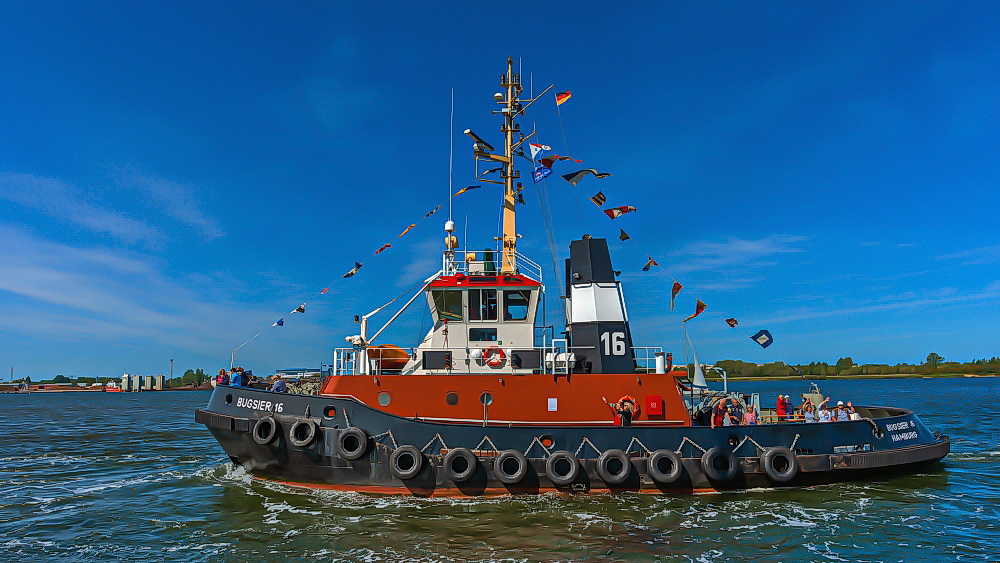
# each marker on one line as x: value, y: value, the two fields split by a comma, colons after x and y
x: 708, y: 464
x: 401, y: 453
x: 660, y: 476
x: 551, y: 470
x: 310, y: 436
x: 516, y: 476
x: 767, y: 461
x: 472, y: 463
x: 272, y: 431
x: 348, y: 437
x: 614, y: 478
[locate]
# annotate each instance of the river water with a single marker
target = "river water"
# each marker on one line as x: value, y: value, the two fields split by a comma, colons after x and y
x: 99, y: 476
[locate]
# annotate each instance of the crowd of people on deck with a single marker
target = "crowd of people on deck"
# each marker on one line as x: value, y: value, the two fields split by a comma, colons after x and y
x: 730, y: 412
x: 238, y: 377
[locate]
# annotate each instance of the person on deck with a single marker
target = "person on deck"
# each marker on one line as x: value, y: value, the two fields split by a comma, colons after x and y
x: 222, y: 378
x: 842, y: 414
x: 781, y: 408
x: 808, y: 412
x: 719, y: 414
x: 824, y: 414
x: 749, y: 417
x: 279, y: 385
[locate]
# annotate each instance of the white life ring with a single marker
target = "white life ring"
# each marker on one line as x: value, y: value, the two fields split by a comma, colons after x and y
x: 494, y: 356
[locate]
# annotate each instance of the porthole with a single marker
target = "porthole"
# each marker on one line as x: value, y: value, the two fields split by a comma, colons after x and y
x: 330, y: 412
x: 547, y: 440
x: 229, y: 399
x: 486, y: 398
x: 451, y: 398
x: 384, y: 399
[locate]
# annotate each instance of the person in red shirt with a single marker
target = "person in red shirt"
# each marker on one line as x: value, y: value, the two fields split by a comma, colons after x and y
x: 781, y: 407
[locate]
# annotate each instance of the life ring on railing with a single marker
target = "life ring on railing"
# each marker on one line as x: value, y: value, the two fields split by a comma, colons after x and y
x: 494, y: 356
x: 623, y: 405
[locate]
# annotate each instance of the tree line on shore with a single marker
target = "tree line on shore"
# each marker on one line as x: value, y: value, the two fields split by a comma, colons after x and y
x: 191, y: 377
x: 935, y: 364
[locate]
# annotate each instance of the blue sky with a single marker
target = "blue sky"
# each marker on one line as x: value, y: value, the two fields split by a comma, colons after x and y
x: 177, y: 176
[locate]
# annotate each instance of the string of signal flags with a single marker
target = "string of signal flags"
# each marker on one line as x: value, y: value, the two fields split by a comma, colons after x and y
x: 543, y: 161
x: 543, y: 169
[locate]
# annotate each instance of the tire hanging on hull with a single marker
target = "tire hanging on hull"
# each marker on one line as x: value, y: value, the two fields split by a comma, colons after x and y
x: 265, y: 430
x: 780, y: 464
x: 664, y: 467
x: 719, y: 464
x: 562, y: 468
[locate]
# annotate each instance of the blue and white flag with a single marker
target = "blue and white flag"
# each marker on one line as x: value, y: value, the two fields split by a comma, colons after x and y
x: 537, y: 150
x: 541, y: 173
x: 763, y: 338
x: 279, y: 322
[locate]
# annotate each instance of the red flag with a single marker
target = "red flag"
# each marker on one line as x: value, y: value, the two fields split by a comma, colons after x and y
x: 325, y: 289
x: 616, y: 212
x: 384, y: 246
x: 673, y: 293
x: 562, y: 97
x: 698, y: 309
x: 732, y: 322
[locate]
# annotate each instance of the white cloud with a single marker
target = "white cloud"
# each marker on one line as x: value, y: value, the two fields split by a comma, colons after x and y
x: 59, y: 199
x: 103, y: 295
x: 982, y: 255
x: 707, y: 255
x: 175, y: 199
x: 906, y: 300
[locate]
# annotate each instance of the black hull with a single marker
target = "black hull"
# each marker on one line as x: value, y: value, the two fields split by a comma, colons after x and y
x: 824, y: 453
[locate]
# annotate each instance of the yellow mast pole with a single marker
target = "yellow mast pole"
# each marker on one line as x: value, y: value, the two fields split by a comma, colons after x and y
x: 511, y: 107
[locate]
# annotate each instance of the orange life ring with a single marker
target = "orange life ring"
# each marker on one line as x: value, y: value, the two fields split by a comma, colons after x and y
x: 620, y: 405
x: 494, y: 356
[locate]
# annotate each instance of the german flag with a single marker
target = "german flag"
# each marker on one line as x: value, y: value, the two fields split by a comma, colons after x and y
x: 562, y: 97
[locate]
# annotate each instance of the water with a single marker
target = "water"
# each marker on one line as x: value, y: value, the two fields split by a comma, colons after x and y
x: 99, y: 476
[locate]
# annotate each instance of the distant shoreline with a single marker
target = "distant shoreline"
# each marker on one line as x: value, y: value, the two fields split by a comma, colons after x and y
x: 859, y: 376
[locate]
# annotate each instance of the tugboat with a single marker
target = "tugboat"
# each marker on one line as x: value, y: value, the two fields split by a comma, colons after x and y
x: 492, y: 403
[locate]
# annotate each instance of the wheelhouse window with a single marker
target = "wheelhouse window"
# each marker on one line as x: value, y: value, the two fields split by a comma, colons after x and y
x: 448, y: 303
x: 482, y: 304
x: 482, y: 334
x: 515, y: 305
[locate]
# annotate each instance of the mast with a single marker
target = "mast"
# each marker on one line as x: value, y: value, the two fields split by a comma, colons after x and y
x: 511, y: 108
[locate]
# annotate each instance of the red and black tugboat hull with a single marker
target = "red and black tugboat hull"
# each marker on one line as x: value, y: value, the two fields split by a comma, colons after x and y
x: 338, y: 443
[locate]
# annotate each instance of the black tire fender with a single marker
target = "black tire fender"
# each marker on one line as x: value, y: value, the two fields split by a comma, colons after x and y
x: 510, y: 467
x: 466, y: 461
x: 265, y: 430
x: 671, y: 470
x: 302, y: 432
x: 406, y: 462
x: 780, y: 464
x: 607, y: 470
x: 562, y: 468
x: 352, y: 443
x: 711, y: 459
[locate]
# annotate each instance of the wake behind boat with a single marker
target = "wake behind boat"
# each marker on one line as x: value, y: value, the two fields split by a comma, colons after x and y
x: 491, y: 402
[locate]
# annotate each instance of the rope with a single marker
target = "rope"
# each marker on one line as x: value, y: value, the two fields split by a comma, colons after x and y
x: 636, y: 441
x: 346, y: 418
x: 586, y: 440
x: 792, y: 447
x: 484, y: 440
x: 759, y: 447
x: 690, y: 441
x: 534, y: 441
x: 436, y: 437
x: 377, y: 437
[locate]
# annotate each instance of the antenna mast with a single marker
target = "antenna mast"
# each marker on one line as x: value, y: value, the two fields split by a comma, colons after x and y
x: 511, y: 108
